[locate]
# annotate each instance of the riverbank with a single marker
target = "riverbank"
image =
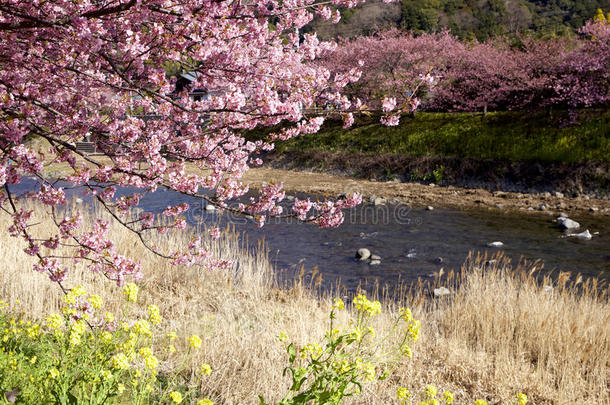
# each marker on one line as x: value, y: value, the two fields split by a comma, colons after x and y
x: 521, y: 152
x: 421, y: 195
x: 500, y: 331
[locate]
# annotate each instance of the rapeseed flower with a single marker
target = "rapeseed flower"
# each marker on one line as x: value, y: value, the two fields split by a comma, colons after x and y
x: 204, y: 402
x: 206, y: 369
x: 142, y: 327
x: 151, y: 362
x: 120, y: 362
x: 338, y: 304
x: 131, y: 292
x: 195, y: 341
x: 153, y: 315
x: 176, y: 397
x: 402, y: 394
x: 521, y: 399
x: 431, y: 391
x: 364, y: 305
x: 448, y: 397
x: 96, y: 301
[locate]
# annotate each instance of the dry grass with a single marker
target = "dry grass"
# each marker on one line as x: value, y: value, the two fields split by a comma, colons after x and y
x: 500, y: 333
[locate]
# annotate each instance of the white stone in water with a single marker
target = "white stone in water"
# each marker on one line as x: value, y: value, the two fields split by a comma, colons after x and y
x: 210, y: 208
x: 567, y: 223
x: 441, y: 292
x: 363, y: 254
x: 375, y: 262
x: 495, y: 244
x: 586, y: 235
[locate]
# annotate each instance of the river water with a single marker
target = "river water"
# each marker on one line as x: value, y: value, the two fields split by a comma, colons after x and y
x: 412, y: 243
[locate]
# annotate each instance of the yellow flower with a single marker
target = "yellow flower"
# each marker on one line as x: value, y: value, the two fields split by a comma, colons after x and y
x: 206, y: 369
x: 171, y: 349
x: 311, y: 349
x: 106, y: 375
x: 131, y: 292
x: 402, y: 394
x: 195, y: 342
x: 204, y: 402
x: 338, y: 304
x: 145, y: 351
x: 78, y: 291
x: 120, y: 388
x: 406, y: 315
x: 53, y: 373
x: 153, y: 315
x: 142, y: 327
x: 106, y: 336
x: 172, y: 336
x: 120, y: 362
x: 283, y: 336
x: 431, y: 391
x: 521, y: 399
x: 414, y: 330
x: 109, y: 317
x: 480, y: 402
x: 175, y: 396
x: 78, y: 328
x: 96, y: 301
x: 448, y: 397
x: 406, y: 351
x: 151, y: 362
x: 362, y: 304
x: 55, y: 321
x: 369, y: 371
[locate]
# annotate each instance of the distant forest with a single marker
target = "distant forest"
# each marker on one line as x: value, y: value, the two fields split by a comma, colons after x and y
x: 467, y: 19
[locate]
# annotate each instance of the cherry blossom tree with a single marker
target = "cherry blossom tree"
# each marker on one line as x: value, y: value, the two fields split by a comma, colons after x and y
x: 495, y: 75
x: 393, y: 63
x: 96, y: 69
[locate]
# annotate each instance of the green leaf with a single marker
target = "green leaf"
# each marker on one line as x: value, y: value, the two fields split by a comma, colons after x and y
x: 292, y: 354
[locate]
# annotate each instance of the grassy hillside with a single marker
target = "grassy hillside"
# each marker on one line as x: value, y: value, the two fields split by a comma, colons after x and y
x: 515, y: 136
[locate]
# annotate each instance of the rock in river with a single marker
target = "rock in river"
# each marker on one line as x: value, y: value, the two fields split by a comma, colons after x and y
x: 586, y: 235
x: 567, y: 223
x: 363, y: 254
x: 495, y: 244
x: 441, y: 292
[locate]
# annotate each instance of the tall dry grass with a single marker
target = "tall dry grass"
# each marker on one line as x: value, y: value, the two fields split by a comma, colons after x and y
x: 499, y: 333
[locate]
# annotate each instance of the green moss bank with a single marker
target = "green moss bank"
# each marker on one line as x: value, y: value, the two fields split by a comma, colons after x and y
x: 544, y: 150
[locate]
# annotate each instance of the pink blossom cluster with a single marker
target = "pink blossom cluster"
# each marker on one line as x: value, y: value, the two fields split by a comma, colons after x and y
x: 450, y: 75
x: 95, y: 70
